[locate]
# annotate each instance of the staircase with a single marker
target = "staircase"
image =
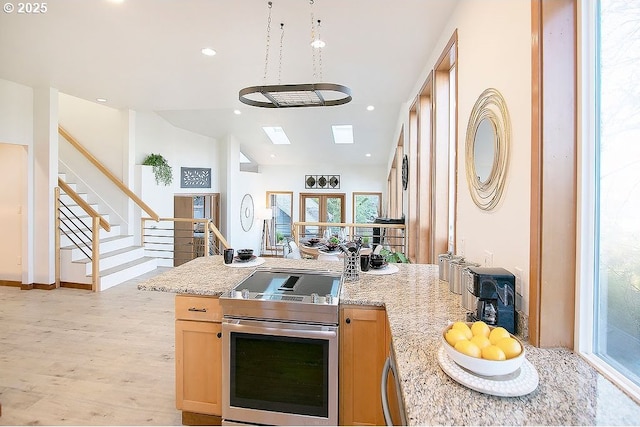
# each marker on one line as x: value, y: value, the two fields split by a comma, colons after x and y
x: 120, y: 259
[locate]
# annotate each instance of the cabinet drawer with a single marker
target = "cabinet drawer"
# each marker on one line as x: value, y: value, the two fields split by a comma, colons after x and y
x: 201, y: 308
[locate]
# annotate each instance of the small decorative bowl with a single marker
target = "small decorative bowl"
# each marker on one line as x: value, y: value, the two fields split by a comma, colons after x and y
x: 377, y: 261
x: 313, y: 241
x: 488, y: 368
x: 245, y: 254
x: 331, y: 247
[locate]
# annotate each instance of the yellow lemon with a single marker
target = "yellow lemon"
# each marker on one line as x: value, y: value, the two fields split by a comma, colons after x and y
x: 497, y: 334
x: 463, y: 327
x: 493, y: 352
x: 481, y: 341
x: 454, y: 335
x: 468, y: 348
x: 480, y: 328
x: 510, y: 346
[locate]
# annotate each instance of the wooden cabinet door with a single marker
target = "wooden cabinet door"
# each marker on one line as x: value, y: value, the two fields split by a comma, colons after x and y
x: 363, y: 352
x: 199, y: 367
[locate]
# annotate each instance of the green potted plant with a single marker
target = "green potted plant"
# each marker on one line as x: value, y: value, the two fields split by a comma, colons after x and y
x: 161, y: 168
x: 397, y: 257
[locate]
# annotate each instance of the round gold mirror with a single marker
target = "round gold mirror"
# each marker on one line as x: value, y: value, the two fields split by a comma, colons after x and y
x: 487, y: 149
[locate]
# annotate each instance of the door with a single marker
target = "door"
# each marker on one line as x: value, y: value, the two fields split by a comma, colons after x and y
x: 188, y: 236
x: 199, y: 367
x: 363, y: 352
x: 321, y: 208
x: 13, y: 164
x: 280, y: 373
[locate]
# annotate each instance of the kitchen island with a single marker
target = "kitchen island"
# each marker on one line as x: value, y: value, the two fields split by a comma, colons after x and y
x: 419, y: 306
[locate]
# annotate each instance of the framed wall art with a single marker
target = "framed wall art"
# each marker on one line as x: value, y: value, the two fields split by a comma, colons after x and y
x: 195, y: 177
x: 320, y: 182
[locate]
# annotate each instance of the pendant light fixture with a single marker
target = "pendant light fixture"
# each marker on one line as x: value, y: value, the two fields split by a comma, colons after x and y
x: 295, y: 95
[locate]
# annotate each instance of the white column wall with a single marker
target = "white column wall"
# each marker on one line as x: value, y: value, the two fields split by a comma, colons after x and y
x: 45, y: 175
x: 16, y: 129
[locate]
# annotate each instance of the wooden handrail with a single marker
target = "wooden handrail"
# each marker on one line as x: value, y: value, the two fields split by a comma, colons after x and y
x: 219, y: 235
x: 349, y: 224
x: 298, y: 226
x: 84, y: 205
x: 212, y: 227
x: 108, y: 173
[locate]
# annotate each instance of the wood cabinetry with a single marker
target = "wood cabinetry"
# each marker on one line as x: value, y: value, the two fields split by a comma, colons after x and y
x: 363, y: 351
x: 188, y: 240
x: 198, y: 355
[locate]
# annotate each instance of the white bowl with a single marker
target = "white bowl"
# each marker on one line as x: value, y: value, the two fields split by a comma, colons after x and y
x: 488, y: 368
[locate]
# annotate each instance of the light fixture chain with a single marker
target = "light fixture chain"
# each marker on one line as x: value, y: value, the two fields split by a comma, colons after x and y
x: 319, y: 51
x: 281, y: 44
x: 266, y: 55
x: 313, y: 38
x: 295, y: 95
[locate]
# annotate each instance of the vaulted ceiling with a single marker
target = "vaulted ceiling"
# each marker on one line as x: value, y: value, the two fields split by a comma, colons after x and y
x: 146, y: 55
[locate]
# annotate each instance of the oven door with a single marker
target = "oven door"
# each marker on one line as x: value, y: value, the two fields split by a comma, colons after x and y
x: 279, y: 373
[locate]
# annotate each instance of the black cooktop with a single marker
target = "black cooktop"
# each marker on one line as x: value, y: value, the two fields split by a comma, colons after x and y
x: 298, y: 282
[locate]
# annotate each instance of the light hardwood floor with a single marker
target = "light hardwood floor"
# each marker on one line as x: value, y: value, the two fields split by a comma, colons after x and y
x: 73, y: 357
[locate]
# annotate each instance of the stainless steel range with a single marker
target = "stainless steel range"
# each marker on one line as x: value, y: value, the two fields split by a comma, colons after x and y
x: 280, y: 348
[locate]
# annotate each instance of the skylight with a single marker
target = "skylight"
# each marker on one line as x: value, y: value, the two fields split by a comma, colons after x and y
x: 342, y: 134
x: 243, y: 158
x: 276, y: 135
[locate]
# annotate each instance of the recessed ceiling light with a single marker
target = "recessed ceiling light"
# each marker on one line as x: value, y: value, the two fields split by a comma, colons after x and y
x: 342, y: 134
x: 276, y: 135
x: 237, y: 112
x: 368, y: 155
x: 208, y: 51
x: 273, y: 156
x: 101, y: 99
x: 318, y: 44
x: 371, y: 108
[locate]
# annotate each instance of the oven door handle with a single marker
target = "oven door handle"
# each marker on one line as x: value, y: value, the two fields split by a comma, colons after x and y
x: 263, y: 328
x: 383, y: 392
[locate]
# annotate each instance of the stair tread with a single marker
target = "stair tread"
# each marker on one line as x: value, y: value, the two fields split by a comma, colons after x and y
x: 106, y: 239
x: 89, y: 230
x: 126, y: 265
x: 109, y: 254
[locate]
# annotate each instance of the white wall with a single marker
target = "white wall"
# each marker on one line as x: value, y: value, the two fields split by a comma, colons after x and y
x: 494, y: 50
x: 352, y: 178
x: 180, y: 147
x: 16, y: 113
x: 16, y: 164
x: 101, y: 130
x: 235, y: 185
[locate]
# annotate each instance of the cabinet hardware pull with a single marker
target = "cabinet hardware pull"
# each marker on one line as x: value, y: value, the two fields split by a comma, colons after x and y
x: 348, y: 320
x: 199, y: 310
x: 219, y: 334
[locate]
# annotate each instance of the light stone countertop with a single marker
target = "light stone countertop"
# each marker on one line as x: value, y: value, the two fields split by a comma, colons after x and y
x: 419, y: 307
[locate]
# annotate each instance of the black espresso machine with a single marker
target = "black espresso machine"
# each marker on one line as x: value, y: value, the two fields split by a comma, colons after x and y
x: 495, y: 290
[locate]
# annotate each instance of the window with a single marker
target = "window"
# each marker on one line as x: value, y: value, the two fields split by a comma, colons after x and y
x: 321, y: 208
x: 609, y: 312
x: 281, y: 204
x: 444, y: 149
x: 366, y: 208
